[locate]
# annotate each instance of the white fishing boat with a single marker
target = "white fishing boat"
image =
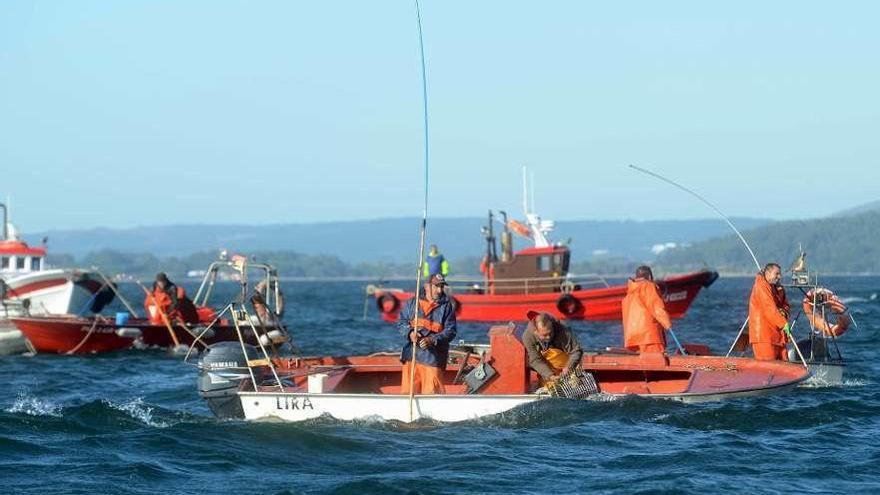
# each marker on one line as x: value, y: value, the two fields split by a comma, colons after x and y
x: 29, y: 287
x: 245, y: 382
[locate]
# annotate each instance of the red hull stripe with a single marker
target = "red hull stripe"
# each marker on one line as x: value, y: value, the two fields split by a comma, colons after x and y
x: 35, y: 286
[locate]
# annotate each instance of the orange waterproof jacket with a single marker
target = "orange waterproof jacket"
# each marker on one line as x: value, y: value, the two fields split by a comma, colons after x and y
x: 765, y: 316
x: 163, y: 300
x: 644, y: 314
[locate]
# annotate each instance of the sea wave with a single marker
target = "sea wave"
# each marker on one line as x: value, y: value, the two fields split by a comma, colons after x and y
x: 137, y: 410
x: 34, y: 406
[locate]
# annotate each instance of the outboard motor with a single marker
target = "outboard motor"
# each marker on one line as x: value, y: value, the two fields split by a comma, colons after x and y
x: 222, y: 367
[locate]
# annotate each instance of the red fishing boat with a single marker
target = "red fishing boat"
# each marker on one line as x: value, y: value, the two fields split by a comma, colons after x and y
x: 537, y: 278
x: 71, y: 334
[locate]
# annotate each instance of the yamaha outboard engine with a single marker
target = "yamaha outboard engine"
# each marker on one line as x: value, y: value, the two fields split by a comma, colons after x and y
x: 222, y: 367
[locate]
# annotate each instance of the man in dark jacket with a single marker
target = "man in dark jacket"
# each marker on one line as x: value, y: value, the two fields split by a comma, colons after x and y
x: 435, y: 329
x: 553, y: 349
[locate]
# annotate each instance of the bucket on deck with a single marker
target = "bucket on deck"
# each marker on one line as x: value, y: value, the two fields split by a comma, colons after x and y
x: 316, y: 383
x: 122, y: 318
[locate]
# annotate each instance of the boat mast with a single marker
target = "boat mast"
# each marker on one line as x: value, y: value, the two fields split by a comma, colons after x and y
x: 5, y: 219
x: 539, y: 228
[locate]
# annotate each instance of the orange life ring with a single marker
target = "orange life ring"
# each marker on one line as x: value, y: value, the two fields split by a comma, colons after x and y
x: 387, y: 303
x: 825, y: 299
x: 568, y: 305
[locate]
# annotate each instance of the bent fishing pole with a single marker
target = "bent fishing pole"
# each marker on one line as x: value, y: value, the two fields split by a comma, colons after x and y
x: 707, y: 203
x: 738, y: 234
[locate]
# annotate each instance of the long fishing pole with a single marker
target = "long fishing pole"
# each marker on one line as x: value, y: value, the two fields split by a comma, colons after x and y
x: 707, y: 203
x: 424, y: 225
x: 723, y: 216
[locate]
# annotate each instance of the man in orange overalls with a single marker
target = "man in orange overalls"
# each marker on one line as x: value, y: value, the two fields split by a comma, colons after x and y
x: 163, y: 299
x: 768, y: 310
x: 435, y: 330
x: 644, y: 314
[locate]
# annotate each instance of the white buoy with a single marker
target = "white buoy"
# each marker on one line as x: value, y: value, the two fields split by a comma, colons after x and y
x: 128, y: 332
x: 179, y: 350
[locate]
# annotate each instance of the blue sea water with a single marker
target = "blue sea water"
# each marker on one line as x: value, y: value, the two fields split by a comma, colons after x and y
x: 132, y: 423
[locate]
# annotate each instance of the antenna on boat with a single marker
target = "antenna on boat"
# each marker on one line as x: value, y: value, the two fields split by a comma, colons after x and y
x: 532, y: 187
x: 412, y: 368
x: 707, y: 203
x: 538, y: 229
x: 5, y: 220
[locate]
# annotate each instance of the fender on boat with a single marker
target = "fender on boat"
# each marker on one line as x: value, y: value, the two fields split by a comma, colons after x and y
x: 387, y: 303
x: 712, y: 277
x: 129, y: 333
x: 568, y: 305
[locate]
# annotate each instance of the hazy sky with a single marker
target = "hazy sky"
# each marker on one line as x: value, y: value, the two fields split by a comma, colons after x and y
x: 146, y: 112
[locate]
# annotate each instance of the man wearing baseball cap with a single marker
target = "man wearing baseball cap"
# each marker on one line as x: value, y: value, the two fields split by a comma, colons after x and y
x: 431, y: 333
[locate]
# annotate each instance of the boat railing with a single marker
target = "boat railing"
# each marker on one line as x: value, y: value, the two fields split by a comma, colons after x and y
x: 527, y: 285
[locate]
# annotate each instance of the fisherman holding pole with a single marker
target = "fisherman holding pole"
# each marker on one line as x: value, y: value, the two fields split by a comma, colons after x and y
x: 768, y: 315
x: 428, y: 322
x: 644, y: 314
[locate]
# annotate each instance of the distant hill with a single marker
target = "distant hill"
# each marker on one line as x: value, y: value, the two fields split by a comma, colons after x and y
x: 838, y: 244
x: 872, y: 206
x: 385, y: 240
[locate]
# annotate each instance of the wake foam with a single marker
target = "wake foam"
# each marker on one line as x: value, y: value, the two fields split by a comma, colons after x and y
x: 852, y: 299
x: 137, y: 410
x: 34, y: 406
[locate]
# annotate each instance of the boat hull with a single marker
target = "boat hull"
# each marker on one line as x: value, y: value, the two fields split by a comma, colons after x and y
x: 688, y: 379
x: 51, y: 292
x: 295, y: 407
x: 68, y: 334
x: 600, y: 304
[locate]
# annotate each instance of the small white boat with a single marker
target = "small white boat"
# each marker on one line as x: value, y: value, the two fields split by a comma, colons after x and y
x: 11, y: 340
x: 824, y: 359
x: 480, y: 381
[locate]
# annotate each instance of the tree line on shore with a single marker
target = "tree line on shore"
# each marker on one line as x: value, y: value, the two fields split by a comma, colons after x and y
x: 848, y: 244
